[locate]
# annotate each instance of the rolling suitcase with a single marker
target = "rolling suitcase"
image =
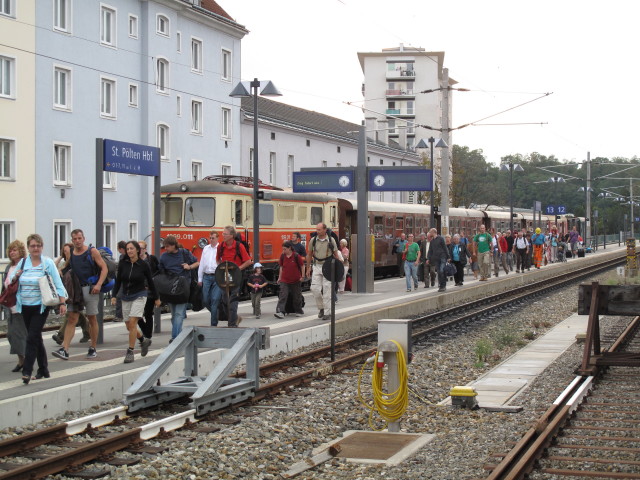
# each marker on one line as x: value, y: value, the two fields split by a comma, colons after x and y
x: 581, y: 252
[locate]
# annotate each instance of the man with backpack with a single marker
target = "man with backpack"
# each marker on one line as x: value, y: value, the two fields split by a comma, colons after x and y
x: 232, y: 250
x: 290, y: 280
x: 321, y: 248
x: 86, y: 262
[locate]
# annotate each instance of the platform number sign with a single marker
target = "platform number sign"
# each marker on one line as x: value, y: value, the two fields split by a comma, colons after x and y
x: 555, y: 209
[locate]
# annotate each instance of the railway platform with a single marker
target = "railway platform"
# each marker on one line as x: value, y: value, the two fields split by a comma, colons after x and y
x: 81, y: 383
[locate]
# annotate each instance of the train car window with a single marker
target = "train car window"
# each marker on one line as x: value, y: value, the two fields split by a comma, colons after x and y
x: 266, y: 214
x: 238, y: 212
x: 334, y: 216
x: 399, y: 223
x: 171, y: 212
x: 316, y: 215
x: 408, y: 223
x: 378, y: 227
x: 302, y: 214
x: 285, y: 213
x: 199, y: 212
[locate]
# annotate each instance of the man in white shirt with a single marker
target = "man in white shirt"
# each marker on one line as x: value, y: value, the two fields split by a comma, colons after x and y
x: 211, y: 293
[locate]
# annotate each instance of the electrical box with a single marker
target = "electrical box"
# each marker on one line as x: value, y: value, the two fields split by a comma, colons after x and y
x: 464, y: 397
x: 398, y: 330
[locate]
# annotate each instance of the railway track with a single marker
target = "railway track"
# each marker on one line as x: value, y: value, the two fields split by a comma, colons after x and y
x: 592, y: 430
x: 103, y: 443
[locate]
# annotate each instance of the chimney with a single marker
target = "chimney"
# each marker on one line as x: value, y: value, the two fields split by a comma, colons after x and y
x: 383, y: 133
x: 402, y: 135
x: 370, y: 127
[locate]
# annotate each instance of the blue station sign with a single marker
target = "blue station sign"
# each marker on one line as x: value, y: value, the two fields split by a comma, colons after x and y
x: 131, y: 158
x: 324, y: 181
x: 555, y: 209
x: 400, y: 180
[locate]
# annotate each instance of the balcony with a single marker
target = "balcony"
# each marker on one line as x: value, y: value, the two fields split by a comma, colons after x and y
x: 403, y: 112
x: 400, y: 93
x: 401, y: 72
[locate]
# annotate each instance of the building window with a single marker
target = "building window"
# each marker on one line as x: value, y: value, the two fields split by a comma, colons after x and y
x: 381, y: 162
x: 7, y: 155
x: 178, y: 169
x: 290, y: 167
x: 226, y: 65
x: 61, y: 165
x: 133, y: 230
x: 272, y: 167
x: 107, y: 98
x: 163, y: 141
x: 109, y: 235
x: 133, y: 95
x: 162, y: 80
x: 196, y: 55
x: 226, y: 122
x: 324, y: 164
x: 6, y: 237
x: 196, y: 117
x: 338, y: 165
x: 61, y: 15
x: 394, y: 197
x: 162, y: 25
x: 225, y: 169
x: 308, y: 143
x: 7, y: 7
x: 338, y: 149
x: 62, y: 88
x: 61, y: 234
x: 179, y: 105
x: 179, y: 42
x: 133, y: 26
x: 273, y: 135
x: 108, y: 180
x: 196, y: 170
x: 251, y: 162
x: 107, y: 26
x: 7, y: 77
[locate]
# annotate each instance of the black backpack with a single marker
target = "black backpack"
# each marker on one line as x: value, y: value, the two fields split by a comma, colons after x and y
x: 331, y: 247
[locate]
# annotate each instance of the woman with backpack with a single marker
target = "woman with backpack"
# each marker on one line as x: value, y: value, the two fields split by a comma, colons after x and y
x: 133, y: 277
x: 290, y: 280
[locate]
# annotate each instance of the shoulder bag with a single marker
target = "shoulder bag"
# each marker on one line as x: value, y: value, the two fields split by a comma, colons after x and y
x: 8, y: 297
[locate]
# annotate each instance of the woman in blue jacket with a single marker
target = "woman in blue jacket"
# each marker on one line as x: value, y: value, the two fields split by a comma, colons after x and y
x: 29, y: 303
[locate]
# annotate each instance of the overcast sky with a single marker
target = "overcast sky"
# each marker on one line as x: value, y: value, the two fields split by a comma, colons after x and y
x: 507, y: 52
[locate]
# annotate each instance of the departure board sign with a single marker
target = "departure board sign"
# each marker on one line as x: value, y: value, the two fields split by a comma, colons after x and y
x: 400, y: 180
x: 131, y: 158
x: 555, y: 209
x: 324, y: 181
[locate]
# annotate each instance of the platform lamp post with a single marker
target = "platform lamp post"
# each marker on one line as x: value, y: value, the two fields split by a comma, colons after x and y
x: 587, y: 220
x: 267, y: 89
x: 510, y: 166
x: 439, y: 144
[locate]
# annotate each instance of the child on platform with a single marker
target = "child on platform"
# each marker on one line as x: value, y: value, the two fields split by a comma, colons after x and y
x: 256, y: 283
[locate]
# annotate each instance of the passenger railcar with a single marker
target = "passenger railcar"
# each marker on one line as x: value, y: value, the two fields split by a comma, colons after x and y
x: 190, y: 210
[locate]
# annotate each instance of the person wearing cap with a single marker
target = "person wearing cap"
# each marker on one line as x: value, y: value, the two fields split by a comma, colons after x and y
x: 256, y: 283
x: 537, y: 239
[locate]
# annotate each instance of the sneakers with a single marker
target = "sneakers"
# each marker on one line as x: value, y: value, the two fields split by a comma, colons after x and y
x: 321, y: 313
x: 326, y: 317
x: 85, y: 339
x: 301, y: 314
x: 56, y: 339
x: 62, y: 354
x: 415, y: 287
x: 92, y: 353
x: 278, y: 315
x: 257, y: 317
x: 408, y: 289
x: 128, y: 358
x: 144, y: 347
x: 442, y: 289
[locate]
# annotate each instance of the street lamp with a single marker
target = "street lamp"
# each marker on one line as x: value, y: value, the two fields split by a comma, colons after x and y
x: 267, y: 89
x: 510, y: 166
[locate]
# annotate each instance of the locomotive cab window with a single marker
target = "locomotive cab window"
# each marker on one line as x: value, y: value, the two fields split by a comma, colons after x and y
x: 199, y: 212
x: 238, y: 212
x: 171, y: 212
x: 316, y: 215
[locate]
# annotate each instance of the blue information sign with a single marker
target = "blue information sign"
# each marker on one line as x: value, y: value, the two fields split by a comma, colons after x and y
x: 324, y: 181
x: 131, y: 158
x: 400, y: 180
x: 555, y: 209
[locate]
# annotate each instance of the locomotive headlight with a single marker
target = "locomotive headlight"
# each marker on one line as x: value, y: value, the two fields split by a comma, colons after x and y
x: 203, y: 242
x: 183, y: 187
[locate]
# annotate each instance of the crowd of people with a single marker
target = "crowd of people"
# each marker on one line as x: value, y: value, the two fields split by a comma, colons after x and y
x: 426, y: 259
x: 80, y: 272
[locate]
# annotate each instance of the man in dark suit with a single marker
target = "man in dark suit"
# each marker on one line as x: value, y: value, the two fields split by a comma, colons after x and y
x: 438, y: 256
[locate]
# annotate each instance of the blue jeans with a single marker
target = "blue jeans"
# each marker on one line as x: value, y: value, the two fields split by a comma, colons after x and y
x: 178, y: 314
x: 211, y: 295
x: 442, y: 278
x: 411, y: 273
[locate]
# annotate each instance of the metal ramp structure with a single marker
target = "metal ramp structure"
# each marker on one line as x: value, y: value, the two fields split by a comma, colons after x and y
x: 213, y: 392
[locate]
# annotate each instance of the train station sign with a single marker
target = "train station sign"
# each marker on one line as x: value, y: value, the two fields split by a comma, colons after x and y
x: 555, y: 209
x: 131, y: 158
x: 314, y: 181
x: 400, y: 179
